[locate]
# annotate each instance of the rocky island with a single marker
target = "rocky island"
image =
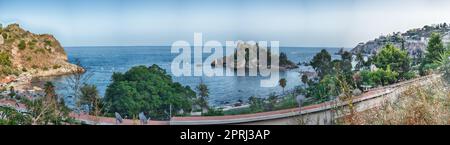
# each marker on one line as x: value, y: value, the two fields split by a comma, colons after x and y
x: 244, y: 49
x: 25, y: 55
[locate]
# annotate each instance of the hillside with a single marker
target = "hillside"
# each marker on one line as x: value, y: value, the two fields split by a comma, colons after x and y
x: 36, y: 55
x: 414, y: 40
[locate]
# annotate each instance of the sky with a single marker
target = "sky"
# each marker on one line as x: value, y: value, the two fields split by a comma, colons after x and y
x: 307, y: 23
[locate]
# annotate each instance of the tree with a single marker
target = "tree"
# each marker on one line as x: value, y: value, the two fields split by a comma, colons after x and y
x: 359, y: 61
x: 10, y: 116
x: 324, y: 89
x: 305, y: 79
x: 284, y: 61
x: 444, y: 65
x: 256, y: 104
x: 203, y: 92
x: 91, y: 98
x: 49, y: 90
x: 48, y: 109
x: 435, y: 49
x: 346, y: 65
x: 379, y: 77
x: 272, y: 101
x: 391, y: 56
x: 322, y: 63
x: 147, y: 89
x: 282, y: 83
x: 75, y: 81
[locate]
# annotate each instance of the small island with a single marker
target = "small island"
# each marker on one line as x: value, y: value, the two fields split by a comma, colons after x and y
x: 253, y: 62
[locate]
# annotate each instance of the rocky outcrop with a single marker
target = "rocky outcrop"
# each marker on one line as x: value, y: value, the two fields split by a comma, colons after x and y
x: 37, y: 55
x: 251, y: 62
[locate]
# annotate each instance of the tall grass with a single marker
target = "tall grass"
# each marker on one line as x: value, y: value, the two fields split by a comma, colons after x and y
x: 418, y: 105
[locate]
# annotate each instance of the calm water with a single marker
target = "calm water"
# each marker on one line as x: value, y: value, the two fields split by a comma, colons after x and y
x: 101, y: 62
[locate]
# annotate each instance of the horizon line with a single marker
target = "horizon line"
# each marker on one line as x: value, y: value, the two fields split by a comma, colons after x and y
x: 287, y: 46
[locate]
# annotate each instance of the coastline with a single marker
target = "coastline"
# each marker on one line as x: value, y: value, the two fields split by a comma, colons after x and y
x: 23, y: 82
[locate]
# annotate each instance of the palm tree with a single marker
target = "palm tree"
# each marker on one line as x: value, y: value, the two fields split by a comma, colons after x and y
x: 282, y: 83
x: 49, y: 90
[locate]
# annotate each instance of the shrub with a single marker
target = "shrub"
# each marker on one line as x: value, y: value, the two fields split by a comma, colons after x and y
x: 48, y: 42
x: 5, y: 59
x: 256, y: 104
x: 40, y: 50
x: 409, y: 75
x: 379, y: 77
x: 56, y: 66
x: 214, y: 112
x: 5, y: 35
x: 22, y: 45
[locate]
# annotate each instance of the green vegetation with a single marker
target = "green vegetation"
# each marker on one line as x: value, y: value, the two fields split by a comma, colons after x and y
x: 284, y: 61
x: 322, y: 63
x: 273, y: 102
x: 56, y: 66
x: 4, y: 59
x: 398, y: 60
x: 5, y: 36
x: 40, y: 50
x: 48, y: 43
x: 32, y: 44
x: 12, y: 117
x: 282, y: 83
x: 90, y: 97
x: 44, y: 110
x: 444, y: 65
x: 203, y: 92
x: 22, y: 45
x: 435, y: 50
x: 379, y: 77
x: 5, y: 64
x: 147, y: 89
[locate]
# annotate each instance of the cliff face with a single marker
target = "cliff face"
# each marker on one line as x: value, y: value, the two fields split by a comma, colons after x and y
x: 34, y: 54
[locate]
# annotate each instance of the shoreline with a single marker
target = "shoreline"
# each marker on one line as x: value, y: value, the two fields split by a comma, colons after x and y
x: 23, y: 82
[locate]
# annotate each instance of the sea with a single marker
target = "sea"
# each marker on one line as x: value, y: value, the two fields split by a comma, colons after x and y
x: 101, y: 62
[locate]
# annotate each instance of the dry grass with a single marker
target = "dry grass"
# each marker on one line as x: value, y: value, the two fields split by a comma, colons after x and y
x: 418, y: 105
